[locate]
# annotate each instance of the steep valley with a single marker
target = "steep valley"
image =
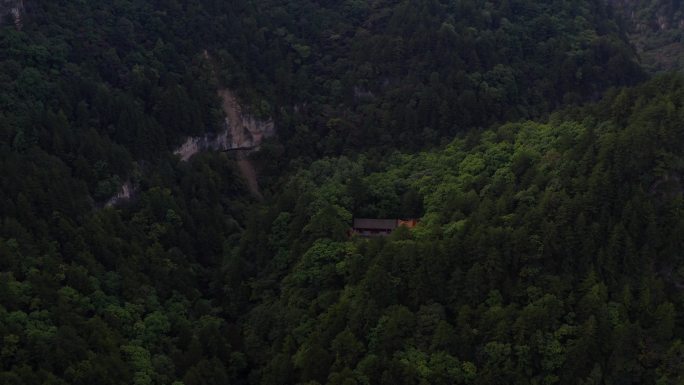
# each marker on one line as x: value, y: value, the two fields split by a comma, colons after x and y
x: 242, y: 134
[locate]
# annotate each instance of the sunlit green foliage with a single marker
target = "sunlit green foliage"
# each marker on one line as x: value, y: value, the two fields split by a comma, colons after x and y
x: 546, y: 254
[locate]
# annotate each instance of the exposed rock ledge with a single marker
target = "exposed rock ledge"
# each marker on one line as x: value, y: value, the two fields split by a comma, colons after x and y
x: 125, y: 193
x: 241, y: 131
x: 13, y: 10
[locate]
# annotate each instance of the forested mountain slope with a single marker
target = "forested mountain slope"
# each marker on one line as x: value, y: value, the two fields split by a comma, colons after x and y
x: 547, y: 252
x: 405, y: 74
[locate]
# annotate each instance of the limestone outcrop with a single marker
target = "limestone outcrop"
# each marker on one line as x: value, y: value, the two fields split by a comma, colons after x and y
x: 11, y: 11
x: 241, y: 131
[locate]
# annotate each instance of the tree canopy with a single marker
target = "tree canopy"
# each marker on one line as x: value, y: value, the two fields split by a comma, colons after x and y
x: 545, y: 168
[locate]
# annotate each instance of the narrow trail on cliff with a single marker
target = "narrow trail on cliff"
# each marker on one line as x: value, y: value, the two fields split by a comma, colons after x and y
x: 242, y: 134
x: 245, y: 165
x: 249, y: 173
x: 232, y: 111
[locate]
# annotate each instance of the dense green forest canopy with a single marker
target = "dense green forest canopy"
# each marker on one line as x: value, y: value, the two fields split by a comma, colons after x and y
x: 550, y: 196
x: 547, y: 253
x: 407, y: 73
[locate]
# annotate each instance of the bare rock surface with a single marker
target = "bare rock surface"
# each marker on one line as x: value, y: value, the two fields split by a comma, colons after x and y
x: 125, y: 193
x: 241, y: 131
x: 11, y: 11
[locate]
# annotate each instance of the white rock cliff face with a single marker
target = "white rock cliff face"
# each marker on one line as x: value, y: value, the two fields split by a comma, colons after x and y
x: 240, y: 131
x: 11, y: 11
x: 125, y: 193
x: 658, y: 15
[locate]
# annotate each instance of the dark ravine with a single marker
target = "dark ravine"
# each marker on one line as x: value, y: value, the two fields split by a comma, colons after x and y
x: 657, y: 17
x: 654, y: 30
x: 241, y: 131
